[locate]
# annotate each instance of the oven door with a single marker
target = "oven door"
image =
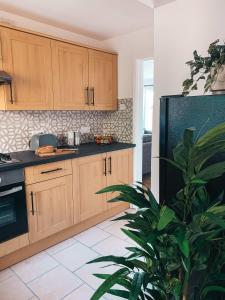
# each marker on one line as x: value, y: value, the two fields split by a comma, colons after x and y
x: 13, y: 211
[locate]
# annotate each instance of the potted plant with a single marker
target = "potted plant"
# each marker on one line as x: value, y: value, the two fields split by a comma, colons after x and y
x: 179, y: 248
x: 209, y: 68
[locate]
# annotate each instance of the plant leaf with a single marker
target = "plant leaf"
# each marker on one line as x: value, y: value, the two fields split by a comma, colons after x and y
x: 108, y: 283
x: 166, y: 216
x: 136, y: 286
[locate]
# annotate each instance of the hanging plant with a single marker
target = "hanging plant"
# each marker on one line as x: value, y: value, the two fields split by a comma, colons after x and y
x: 207, y: 68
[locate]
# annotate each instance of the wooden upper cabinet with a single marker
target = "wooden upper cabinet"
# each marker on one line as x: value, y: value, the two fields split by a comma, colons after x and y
x: 53, y: 75
x: 27, y: 58
x: 70, y: 76
x: 102, y: 80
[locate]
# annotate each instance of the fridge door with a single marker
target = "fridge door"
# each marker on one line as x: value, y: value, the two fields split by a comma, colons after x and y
x: 176, y: 114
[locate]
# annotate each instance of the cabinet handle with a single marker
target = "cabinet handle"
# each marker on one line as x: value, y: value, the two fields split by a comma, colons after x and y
x: 50, y: 171
x: 93, y: 96
x: 32, y: 203
x: 110, y: 165
x: 11, y: 93
x: 87, y: 96
x: 105, y: 167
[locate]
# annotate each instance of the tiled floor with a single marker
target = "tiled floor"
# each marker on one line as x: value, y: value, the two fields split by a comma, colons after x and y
x: 61, y: 272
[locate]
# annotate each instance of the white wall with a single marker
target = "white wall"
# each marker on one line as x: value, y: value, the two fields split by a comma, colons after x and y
x: 15, y: 20
x: 180, y: 28
x: 133, y: 46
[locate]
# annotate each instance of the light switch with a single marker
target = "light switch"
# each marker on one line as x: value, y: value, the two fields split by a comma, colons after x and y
x: 122, y: 107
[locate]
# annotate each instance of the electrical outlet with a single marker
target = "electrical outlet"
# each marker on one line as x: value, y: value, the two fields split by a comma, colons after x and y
x: 85, y: 129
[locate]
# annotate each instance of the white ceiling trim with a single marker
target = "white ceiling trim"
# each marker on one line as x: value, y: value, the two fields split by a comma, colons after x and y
x: 155, y: 3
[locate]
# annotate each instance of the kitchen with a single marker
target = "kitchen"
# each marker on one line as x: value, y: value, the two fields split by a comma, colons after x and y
x: 66, y: 132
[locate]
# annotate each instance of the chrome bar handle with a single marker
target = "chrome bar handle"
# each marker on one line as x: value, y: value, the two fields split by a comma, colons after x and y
x: 110, y: 165
x: 105, y: 167
x: 93, y: 96
x: 87, y: 100
x: 32, y: 203
x: 11, y: 191
x: 11, y: 93
x: 50, y: 171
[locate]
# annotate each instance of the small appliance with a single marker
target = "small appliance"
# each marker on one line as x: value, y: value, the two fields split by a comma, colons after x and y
x: 43, y: 139
x: 13, y: 210
x: 73, y: 138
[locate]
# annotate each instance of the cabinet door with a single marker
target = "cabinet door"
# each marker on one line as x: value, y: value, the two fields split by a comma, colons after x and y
x: 89, y: 176
x: 50, y: 205
x: 102, y: 80
x: 119, y: 170
x: 70, y: 76
x: 27, y: 58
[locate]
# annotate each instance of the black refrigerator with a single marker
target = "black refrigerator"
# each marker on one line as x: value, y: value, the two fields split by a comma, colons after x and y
x: 176, y: 114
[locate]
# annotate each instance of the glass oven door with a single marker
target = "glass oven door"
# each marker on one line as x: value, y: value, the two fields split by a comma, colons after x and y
x: 13, y: 212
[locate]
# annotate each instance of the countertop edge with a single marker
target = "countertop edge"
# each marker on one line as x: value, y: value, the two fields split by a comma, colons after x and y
x: 85, y: 150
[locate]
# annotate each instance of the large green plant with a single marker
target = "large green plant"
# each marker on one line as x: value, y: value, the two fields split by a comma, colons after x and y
x: 205, y: 68
x: 179, y: 251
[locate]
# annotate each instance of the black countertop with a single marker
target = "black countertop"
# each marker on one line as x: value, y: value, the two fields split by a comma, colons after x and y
x: 28, y: 158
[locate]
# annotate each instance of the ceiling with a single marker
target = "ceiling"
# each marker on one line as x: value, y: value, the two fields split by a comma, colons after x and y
x: 99, y: 19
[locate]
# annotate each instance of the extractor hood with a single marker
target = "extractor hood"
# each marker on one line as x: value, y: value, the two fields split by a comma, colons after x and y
x: 6, y: 78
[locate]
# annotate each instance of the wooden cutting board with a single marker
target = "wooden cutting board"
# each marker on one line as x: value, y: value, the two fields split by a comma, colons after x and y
x: 58, y: 152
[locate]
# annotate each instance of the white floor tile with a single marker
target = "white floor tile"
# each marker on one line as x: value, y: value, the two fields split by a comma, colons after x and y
x: 115, y: 229
x: 87, y: 271
x: 104, y: 224
x: 82, y: 293
x: 55, y: 284
x: 75, y: 256
x: 112, y: 246
x: 91, y: 236
x: 61, y: 246
x: 34, y: 266
x: 14, y: 289
x: 5, y: 274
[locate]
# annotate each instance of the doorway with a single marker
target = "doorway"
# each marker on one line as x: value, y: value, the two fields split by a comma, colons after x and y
x: 148, y: 94
x: 143, y: 113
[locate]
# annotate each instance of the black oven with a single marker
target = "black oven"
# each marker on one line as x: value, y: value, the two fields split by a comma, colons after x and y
x: 13, y: 210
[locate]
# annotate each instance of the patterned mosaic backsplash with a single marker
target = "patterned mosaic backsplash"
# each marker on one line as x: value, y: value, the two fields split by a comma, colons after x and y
x: 17, y: 127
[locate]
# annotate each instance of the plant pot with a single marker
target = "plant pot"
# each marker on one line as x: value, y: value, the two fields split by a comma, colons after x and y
x: 218, y: 87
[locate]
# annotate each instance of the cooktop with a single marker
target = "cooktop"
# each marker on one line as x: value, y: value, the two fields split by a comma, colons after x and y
x: 7, y: 159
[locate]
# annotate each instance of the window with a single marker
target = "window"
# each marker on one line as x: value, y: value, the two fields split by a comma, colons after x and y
x: 148, y: 107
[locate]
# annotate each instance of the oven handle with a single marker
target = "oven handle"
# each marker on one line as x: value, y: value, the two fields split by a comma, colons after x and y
x: 11, y: 191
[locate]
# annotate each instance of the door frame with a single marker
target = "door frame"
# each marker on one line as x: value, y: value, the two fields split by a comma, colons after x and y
x: 138, y: 116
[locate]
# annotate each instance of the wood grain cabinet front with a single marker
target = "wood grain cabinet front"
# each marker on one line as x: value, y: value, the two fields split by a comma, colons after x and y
x: 102, y: 80
x: 48, y: 74
x: 27, y: 58
x: 89, y: 176
x: 93, y: 173
x: 70, y: 76
x: 48, y: 171
x: 119, y: 171
x: 50, y: 207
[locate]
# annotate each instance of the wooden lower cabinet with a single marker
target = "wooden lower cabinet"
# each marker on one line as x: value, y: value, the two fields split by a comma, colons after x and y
x: 50, y: 207
x: 119, y: 170
x: 89, y: 176
x: 62, y: 206
x: 93, y: 173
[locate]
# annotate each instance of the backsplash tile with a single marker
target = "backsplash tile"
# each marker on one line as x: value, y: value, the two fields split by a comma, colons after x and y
x: 17, y: 127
